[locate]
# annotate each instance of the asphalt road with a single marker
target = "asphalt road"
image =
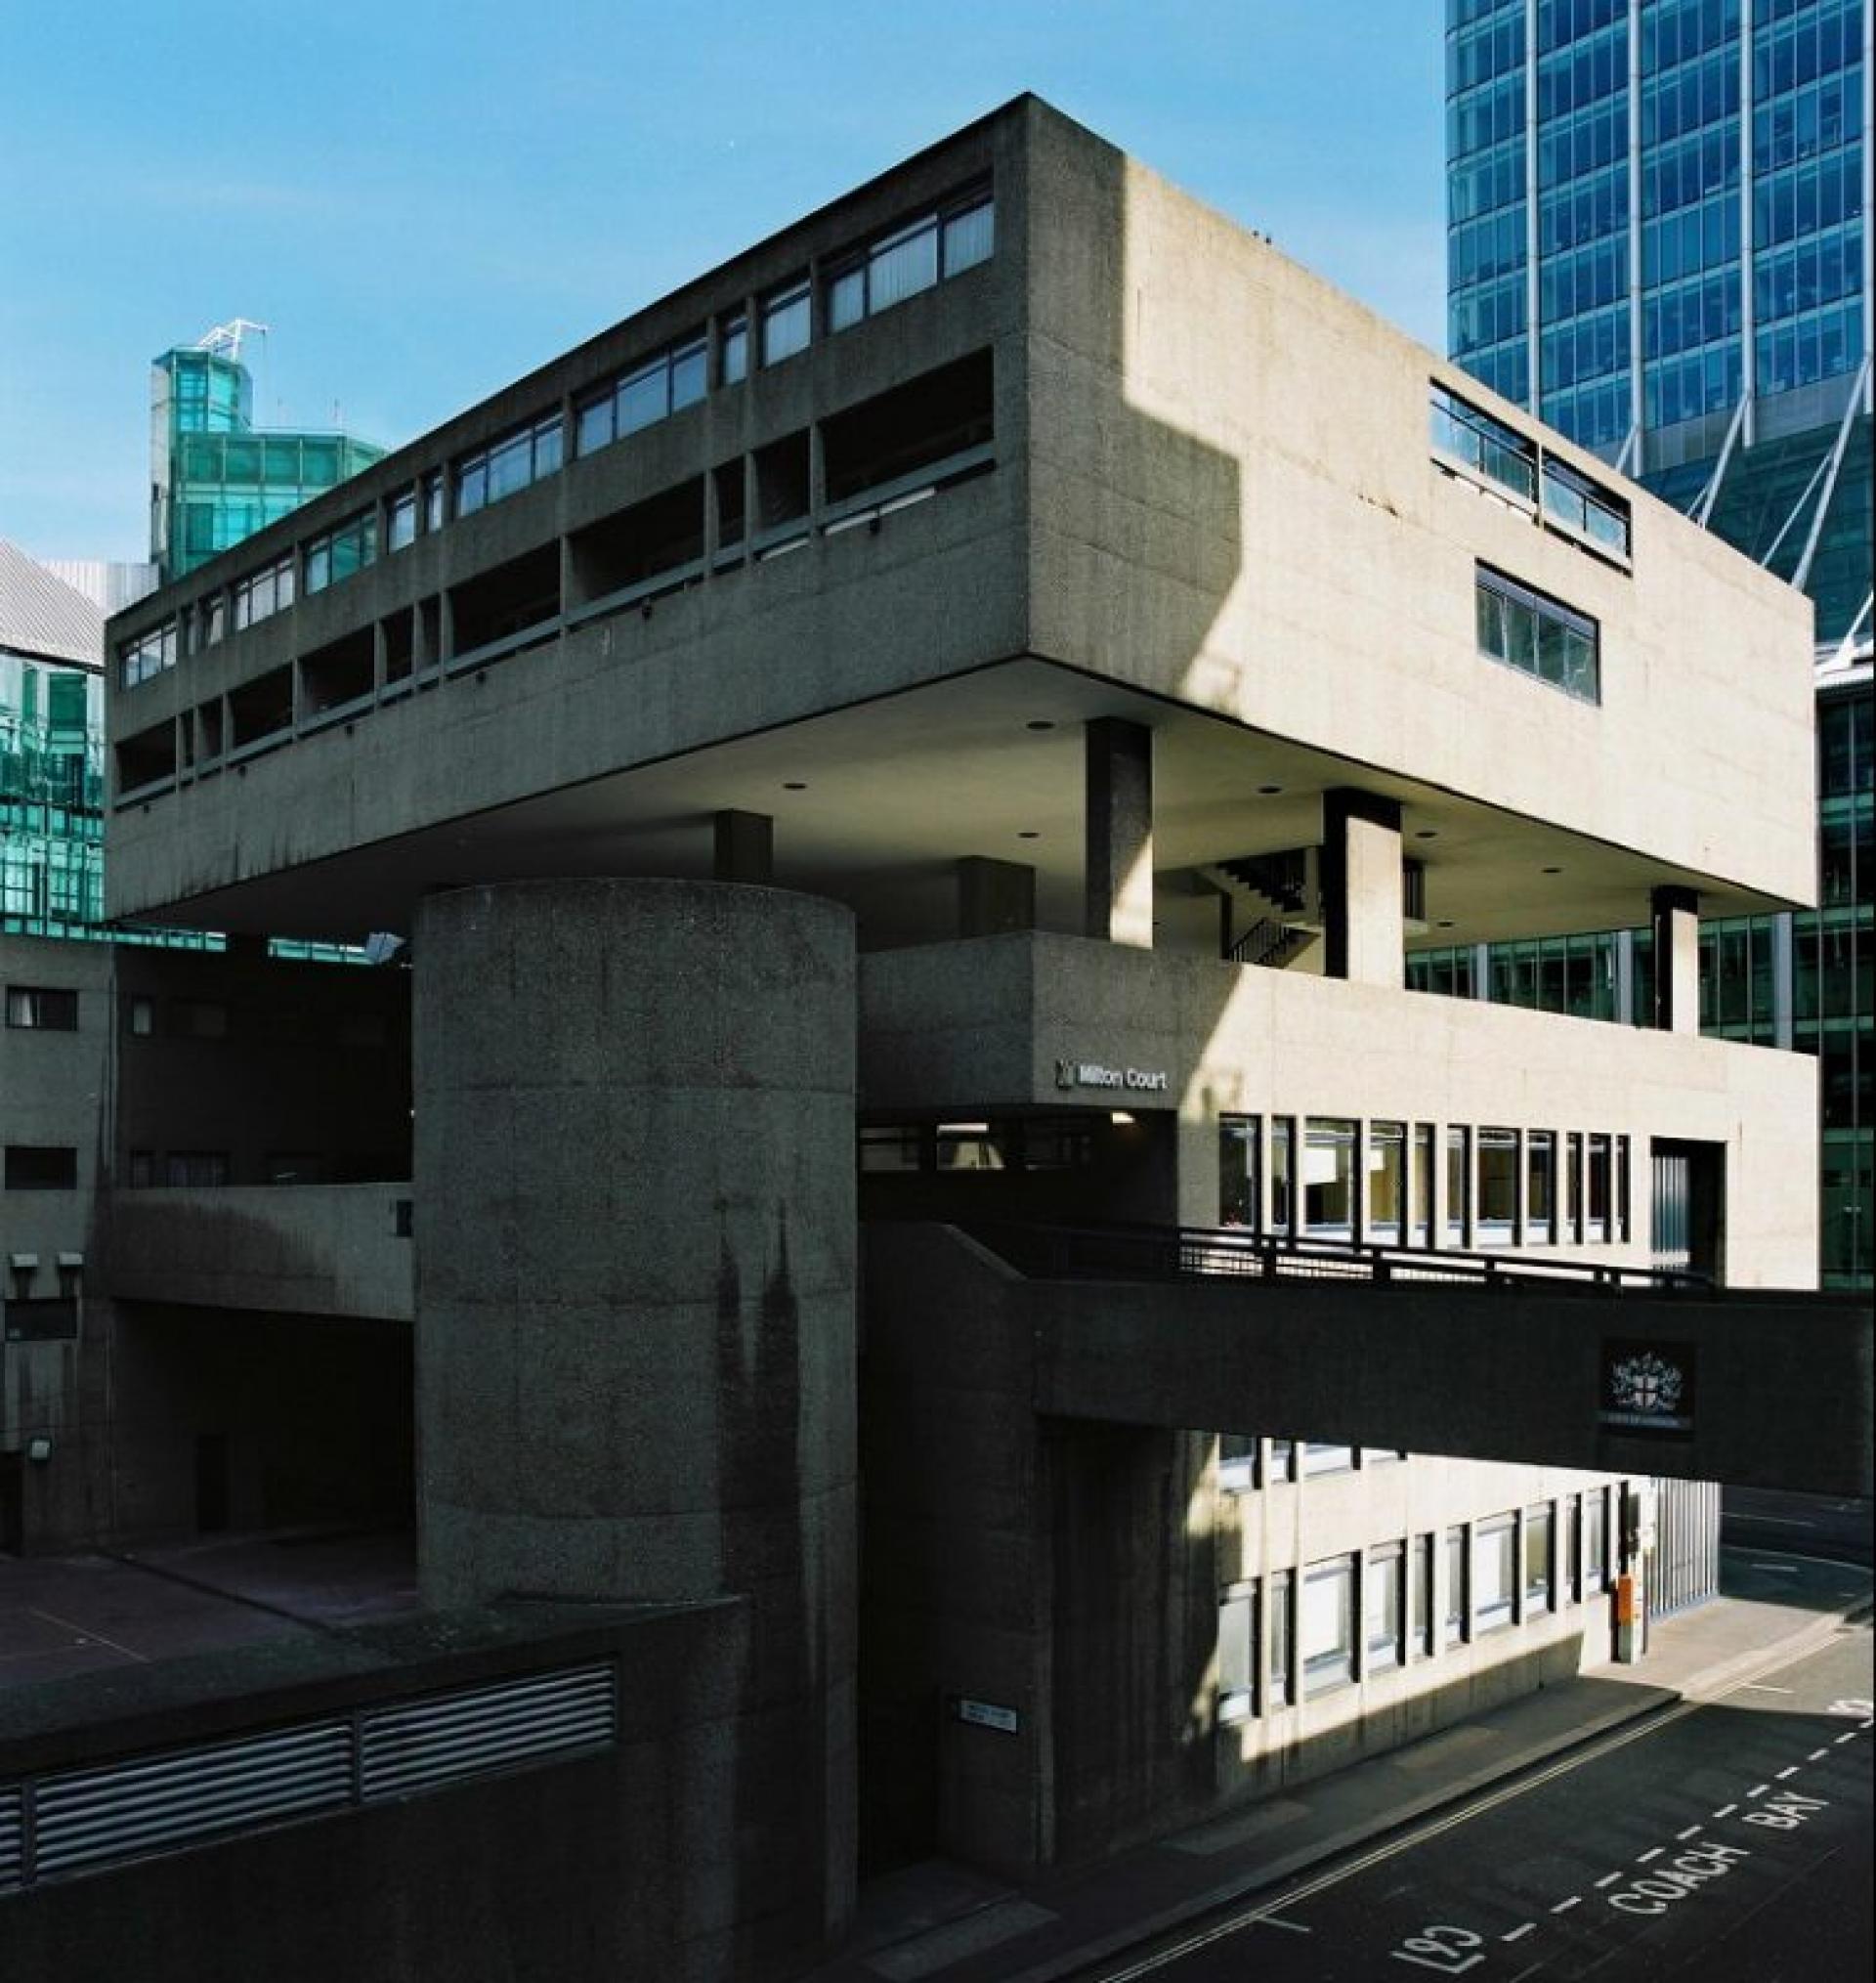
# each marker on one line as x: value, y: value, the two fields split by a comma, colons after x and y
x: 1806, y: 1524
x: 1724, y: 1841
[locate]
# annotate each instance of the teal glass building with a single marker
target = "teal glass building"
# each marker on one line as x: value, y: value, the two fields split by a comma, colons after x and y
x: 1659, y: 238
x: 215, y: 478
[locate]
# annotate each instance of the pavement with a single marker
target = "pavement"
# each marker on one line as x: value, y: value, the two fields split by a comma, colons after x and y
x: 943, y: 1922
x: 94, y: 1611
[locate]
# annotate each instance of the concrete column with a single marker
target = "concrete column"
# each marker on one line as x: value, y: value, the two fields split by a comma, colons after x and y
x: 1118, y: 867
x: 745, y: 848
x: 1364, y: 931
x: 1675, y: 917
x: 994, y: 896
x: 635, y: 1231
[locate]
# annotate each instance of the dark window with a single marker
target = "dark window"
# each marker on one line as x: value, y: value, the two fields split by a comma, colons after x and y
x: 42, y: 1009
x: 41, y: 1167
x: 1538, y: 635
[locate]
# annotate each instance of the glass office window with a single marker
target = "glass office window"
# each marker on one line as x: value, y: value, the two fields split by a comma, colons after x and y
x: 1424, y: 1623
x: 1494, y: 1572
x: 509, y: 464
x: 1323, y: 1456
x: 733, y: 349
x: 786, y: 321
x: 1237, y: 1462
x: 1283, y: 1170
x: 339, y: 553
x: 401, y: 521
x: 1540, y: 1188
x: 1422, y: 1189
x: 1537, y: 635
x: 1596, y: 1540
x: 1386, y: 1163
x: 1281, y: 1629
x: 1459, y: 1183
x: 1328, y: 1177
x: 1570, y: 1540
x: 1540, y: 1529
x: 1237, y: 1652
x: 1383, y: 1598
x: 1570, y: 1189
x: 1497, y: 1186
x: 1596, y: 1191
x: 1327, y: 1626
x: 1458, y: 1617
x: 1238, y: 1137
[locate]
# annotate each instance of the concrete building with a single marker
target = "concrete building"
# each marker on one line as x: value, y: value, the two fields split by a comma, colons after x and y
x: 105, y: 1033
x: 1659, y: 236
x: 929, y: 748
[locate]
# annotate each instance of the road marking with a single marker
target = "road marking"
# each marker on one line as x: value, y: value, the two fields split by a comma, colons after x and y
x: 1608, y: 1879
x: 1643, y: 1858
x: 1725, y: 1810
x: 1781, y: 1521
x: 1759, y: 1687
x: 1519, y: 1934
x: 87, y: 1634
x: 1790, y: 1771
x: 1779, y: 1569
x: 1850, y: 1736
x: 1818, y: 1755
x: 1758, y: 1790
x: 1692, y: 1832
x: 1565, y: 1905
x: 1277, y: 1922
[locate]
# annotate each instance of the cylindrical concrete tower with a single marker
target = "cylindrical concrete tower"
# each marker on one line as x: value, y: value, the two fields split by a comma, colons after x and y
x: 634, y: 1182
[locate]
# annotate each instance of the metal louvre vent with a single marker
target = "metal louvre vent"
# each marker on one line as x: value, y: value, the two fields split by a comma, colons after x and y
x: 82, y: 1817
x: 13, y: 1838
x: 422, y: 1744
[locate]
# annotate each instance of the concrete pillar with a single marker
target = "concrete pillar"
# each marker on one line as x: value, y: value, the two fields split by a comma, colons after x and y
x: 994, y: 896
x: 1364, y: 931
x: 1119, y: 870
x: 744, y: 849
x: 1675, y: 917
x: 635, y: 1232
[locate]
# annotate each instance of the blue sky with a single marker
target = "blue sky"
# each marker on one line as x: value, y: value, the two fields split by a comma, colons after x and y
x: 424, y: 201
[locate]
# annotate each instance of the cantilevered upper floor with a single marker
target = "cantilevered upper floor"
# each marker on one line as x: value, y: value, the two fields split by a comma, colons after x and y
x: 852, y: 537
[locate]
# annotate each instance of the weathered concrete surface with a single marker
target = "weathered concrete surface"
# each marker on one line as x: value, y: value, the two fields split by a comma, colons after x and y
x: 967, y: 1026
x: 595, y: 1866
x: 300, y: 1249
x: 635, y: 1300
x: 1781, y: 1382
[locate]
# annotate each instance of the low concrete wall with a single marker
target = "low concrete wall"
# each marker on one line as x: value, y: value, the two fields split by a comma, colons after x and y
x: 627, y: 1861
x: 300, y: 1249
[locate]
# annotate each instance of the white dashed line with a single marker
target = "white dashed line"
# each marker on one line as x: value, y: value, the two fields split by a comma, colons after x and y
x: 1758, y: 1790
x: 1725, y: 1810
x: 1791, y: 1771
x: 1849, y: 1736
x: 1565, y: 1905
x: 1866, y: 1726
x: 1643, y: 1858
x: 1275, y: 1922
x: 1692, y: 1832
x: 1519, y: 1934
x: 1608, y: 1879
x: 1816, y: 1756
x: 1759, y: 1686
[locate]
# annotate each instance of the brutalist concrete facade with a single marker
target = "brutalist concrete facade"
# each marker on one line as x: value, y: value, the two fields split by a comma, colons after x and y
x: 1059, y: 584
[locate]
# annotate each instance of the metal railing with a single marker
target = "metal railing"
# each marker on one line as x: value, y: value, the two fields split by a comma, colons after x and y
x: 1123, y: 1252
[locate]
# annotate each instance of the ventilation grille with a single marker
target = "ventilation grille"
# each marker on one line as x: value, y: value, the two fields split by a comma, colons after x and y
x: 13, y: 1838
x: 423, y: 1744
x: 82, y: 1817
x: 78, y: 1821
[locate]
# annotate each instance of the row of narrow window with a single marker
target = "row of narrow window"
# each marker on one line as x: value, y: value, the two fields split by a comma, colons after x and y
x: 946, y: 240
x: 1504, y: 1186
x: 1351, y: 1616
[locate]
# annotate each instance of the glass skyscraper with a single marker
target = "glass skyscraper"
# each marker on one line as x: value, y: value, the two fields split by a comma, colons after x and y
x: 1659, y: 238
x: 215, y: 478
